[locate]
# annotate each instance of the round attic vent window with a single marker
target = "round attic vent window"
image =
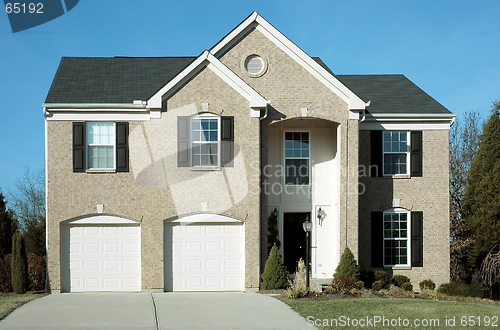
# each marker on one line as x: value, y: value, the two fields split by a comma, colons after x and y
x: 254, y: 64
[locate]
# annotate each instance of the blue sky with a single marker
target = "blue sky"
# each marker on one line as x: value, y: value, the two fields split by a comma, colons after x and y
x: 450, y: 49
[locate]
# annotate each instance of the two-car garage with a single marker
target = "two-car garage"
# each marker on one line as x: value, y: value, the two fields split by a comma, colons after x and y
x: 202, y: 252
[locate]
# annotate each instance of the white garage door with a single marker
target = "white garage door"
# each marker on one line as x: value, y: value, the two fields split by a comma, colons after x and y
x: 206, y: 257
x: 104, y: 258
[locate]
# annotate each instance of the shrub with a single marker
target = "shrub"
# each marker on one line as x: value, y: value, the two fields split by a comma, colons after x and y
x: 360, y: 285
x: 377, y: 285
x: 427, y: 284
x: 398, y: 280
x: 381, y: 275
x: 462, y: 289
x: 343, y: 285
x: 5, y: 274
x: 347, y: 266
x: 407, y: 286
x: 275, y: 275
x: 19, y: 265
x: 36, y: 272
x: 298, y: 288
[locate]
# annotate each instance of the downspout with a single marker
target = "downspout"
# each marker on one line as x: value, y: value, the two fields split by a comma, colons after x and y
x: 367, y: 104
x: 260, y: 186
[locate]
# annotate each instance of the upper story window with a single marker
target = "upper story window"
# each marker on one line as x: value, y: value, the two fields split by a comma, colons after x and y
x: 205, y: 141
x: 396, y: 238
x: 100, y: 145
x: 396, y: 153
x: 297, y: 153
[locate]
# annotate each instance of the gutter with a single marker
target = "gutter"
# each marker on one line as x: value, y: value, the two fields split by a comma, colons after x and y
x: 434, y: 116
x: 136, y: 105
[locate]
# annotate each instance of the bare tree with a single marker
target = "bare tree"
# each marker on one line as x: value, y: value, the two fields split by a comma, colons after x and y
x: 28, y: 203
x: 465, y: 137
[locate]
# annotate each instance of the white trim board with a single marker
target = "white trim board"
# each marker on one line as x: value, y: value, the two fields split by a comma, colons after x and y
x: 404, y: 126
x: 206, y: 59
x: 258, y: 22
x: 96, y: 116
x: 203, y: 218
x: 101, y: 220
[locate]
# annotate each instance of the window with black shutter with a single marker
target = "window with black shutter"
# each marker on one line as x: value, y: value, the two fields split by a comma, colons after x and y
x: 100, y: 146
x: 122, y: 147
x: 79, y: 147
x: 417, y: 242
x: 205, y: 141
x: 395, y: 153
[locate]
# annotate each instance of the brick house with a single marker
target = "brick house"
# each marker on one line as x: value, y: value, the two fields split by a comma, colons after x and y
x: 162, y: 172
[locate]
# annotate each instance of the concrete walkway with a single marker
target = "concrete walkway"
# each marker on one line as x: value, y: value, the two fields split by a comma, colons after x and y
x: 154, y: 311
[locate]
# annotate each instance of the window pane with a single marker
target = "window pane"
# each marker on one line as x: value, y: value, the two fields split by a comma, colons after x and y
x: 297, y: 171
x: 395, y: 164
x: 100, y: 157
x: 100, y: 133
x: 387, y: 147
x: 395, y: 238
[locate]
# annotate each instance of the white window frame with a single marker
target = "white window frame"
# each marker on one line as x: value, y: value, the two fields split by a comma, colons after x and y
x: 397, y: 153
x: 285, y: 158
x: 88, y: 125
x: 407, y: 239
x: 192, y: 142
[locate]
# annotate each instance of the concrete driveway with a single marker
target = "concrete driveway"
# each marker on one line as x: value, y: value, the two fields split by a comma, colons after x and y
x: 154, y: 311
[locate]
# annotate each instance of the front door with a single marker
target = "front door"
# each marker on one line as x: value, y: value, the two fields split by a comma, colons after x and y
x: 294, y: 239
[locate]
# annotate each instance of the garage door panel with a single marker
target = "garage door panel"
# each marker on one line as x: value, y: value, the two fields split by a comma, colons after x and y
x: 102, y: 258
x: 206, y: 257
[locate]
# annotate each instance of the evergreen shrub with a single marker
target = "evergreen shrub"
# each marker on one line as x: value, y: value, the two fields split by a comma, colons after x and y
x: 407, y: 286
x: 347, y: 266
x: 275, y: 275
x: 19, y: 264
x: 462, y: 289
x: 5, y: 274
x: 427, y: 284
x: 377, y: 285
x: 381, y: 275
x: 398, y: 280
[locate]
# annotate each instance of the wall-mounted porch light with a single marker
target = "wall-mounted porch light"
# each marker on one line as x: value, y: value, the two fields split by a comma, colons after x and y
x: 321, y: 214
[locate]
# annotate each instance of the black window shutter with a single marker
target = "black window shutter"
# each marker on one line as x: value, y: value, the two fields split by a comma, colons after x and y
x: 417, y: 242
x: 79, y: 147
x: 376, y: 153
x: 122, y: 147
x: 183, y: 159
x: 227, y: 141
x: 416, y: 153
x: 377, y: 239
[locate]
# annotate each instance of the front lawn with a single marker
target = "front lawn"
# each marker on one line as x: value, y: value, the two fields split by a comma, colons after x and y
x: 11, y: 301
x: 384, y: 313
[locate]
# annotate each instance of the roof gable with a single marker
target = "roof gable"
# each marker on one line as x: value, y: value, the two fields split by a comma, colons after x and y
x: 255, y: 21
x: 206, y: 59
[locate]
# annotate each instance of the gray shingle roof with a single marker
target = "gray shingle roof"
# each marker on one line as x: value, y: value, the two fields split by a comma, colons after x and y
x: 391, y: 94
x: 112, y: 79
x: 125, y: 79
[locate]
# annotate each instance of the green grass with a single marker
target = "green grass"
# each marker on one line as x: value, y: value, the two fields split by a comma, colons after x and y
x: 9, y: 302
x: 394, y: 309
